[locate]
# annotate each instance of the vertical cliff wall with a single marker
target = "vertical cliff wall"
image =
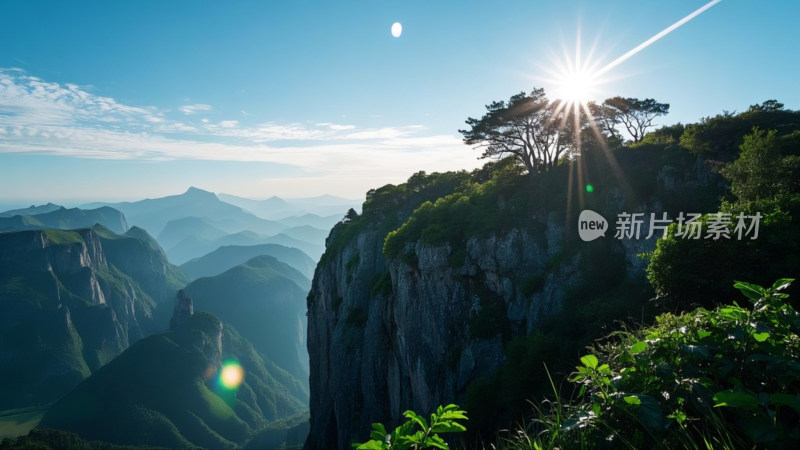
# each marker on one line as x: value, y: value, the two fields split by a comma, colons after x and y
x: 410, y: 321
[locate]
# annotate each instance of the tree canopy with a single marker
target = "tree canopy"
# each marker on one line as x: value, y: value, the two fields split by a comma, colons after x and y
x: 634, y: 114
x: 538, y: 132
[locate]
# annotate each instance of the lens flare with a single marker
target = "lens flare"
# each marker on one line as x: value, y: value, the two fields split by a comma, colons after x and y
x: 232, y: 375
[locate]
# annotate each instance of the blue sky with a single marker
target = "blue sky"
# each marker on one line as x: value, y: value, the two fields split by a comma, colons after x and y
x: 125, y: 100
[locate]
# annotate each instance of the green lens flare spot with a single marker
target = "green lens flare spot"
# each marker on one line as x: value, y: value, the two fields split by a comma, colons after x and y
x: 232, y: 375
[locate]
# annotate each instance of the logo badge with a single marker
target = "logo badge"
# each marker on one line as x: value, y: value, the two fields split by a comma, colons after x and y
x: 591, y: 225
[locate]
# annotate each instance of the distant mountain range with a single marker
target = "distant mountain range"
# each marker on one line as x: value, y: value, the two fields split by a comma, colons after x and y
x: 197, y: 222
x: 87, y: 309
x: 276, y: 208
x: 58, y: 217
x: 227, y: 257
x: 31, y: 210
x: 193, y: 247
x: 154, y: 214
x: 86, y: 295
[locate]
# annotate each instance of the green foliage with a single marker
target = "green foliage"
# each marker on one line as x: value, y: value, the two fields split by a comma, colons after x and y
x: 665, y: 136
x: 416, y: 432
x: 48, y: 439
x: 386, y: 208
x: 764, y: 182
x: 472, y: 210
x: 719, y: 137
x: 762, y: 175
x: 61, y: 237
x: 722, y: 378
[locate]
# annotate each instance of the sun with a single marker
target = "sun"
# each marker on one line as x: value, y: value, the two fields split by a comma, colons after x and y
x: 575, y: 86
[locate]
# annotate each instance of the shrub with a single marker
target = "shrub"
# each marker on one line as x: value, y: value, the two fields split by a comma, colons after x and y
x: 722, y: 378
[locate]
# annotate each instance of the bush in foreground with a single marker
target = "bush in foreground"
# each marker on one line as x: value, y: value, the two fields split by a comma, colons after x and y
x: 722, y: 378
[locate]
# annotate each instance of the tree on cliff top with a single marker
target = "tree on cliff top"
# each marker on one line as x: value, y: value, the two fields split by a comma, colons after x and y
x: 536, y: 131
x: 634, y: 114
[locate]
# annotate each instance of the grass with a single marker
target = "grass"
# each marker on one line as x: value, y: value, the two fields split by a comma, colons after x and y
x: 16, y: 423
x: 61, y: 237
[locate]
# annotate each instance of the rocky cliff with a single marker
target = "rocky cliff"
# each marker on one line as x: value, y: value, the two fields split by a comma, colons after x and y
x: 411, y: 320
x: 69, y: 304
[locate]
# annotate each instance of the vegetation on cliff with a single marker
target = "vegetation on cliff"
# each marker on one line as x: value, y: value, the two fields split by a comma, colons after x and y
x: 730, y: 164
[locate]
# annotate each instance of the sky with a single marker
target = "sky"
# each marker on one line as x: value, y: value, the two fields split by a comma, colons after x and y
x: 126, y: 100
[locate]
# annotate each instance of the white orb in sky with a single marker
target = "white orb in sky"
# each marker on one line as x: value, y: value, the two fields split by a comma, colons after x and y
x: 397, y: 29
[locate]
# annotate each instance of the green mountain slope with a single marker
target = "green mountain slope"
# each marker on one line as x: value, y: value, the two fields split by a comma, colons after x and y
x: 165, y: 391
x: 72, y: 300
x: 265, y: 300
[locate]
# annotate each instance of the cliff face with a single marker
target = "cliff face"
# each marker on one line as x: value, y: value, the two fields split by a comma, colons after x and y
x: 412, y: 326
x: 66, y: 308
x: 434, y: 326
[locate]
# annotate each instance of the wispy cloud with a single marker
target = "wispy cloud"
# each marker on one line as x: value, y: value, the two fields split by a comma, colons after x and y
x: 49, y: 118
x: 194, y: 109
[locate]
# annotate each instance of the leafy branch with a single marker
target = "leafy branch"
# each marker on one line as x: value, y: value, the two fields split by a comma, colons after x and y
x: 417, y: 433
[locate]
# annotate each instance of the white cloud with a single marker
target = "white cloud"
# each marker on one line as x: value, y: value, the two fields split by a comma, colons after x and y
x: 65, y: 119
x: 194, y: 109
x: 336, y: 127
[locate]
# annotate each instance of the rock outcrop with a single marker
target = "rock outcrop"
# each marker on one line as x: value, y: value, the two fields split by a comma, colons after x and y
x: 411, y: 325
x: 184, y: 308
x: 426, y: 326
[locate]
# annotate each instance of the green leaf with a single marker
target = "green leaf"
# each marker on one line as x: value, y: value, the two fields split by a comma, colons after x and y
x: 781, y: 284
x: 435, y: 441
x: 448, y: 427
x: 649, y: 412
x: 752, y: 291
x: 639, y: 347
x: 378, y: 432
x: 371, y: 445
x: 792, y: 401
x: 417, y: 419
x: 632, y: 400
x: 590, y: 361
x: 761, y: 337
x: 453, y: 414
x: 735, y: 399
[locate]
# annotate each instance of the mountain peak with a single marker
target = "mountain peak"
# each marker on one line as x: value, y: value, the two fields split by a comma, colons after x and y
x: 199, y: 193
